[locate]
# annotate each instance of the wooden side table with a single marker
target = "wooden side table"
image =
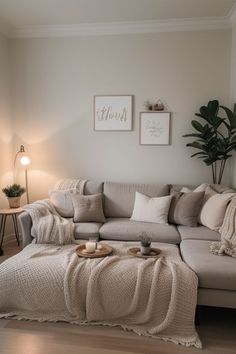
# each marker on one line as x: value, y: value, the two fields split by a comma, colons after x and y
x: 13, y: 212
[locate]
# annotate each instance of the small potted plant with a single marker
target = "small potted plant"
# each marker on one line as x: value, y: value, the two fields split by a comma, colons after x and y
x: 13, y: 194
x: 145, y: 241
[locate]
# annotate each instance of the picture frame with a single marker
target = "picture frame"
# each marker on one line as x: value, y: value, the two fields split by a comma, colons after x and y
x: 154, y: 128
x: 113, y: 112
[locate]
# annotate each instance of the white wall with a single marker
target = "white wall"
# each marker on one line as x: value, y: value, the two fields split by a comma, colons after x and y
x: 233, y: 85
x: 5, y: 121
x: 54, y: 81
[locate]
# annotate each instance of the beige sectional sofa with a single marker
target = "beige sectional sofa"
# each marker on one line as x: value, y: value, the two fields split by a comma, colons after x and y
x: 217, y: 274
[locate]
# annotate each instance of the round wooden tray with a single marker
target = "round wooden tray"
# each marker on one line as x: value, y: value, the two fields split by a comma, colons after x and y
x: 103, y: 252
x: 135, y: 252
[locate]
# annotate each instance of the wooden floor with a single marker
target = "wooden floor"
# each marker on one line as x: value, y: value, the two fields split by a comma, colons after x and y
x: 217, y: 332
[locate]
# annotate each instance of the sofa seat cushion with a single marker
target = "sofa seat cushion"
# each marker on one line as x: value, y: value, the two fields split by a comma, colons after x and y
x: 214, y: 272
x: 198, y: 233
x: 86, y: 230
x: 124, y: 229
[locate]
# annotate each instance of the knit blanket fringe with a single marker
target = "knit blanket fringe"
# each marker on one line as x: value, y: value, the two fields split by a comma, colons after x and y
x: 191, y: 342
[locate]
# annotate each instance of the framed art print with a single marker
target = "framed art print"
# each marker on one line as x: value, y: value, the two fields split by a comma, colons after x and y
x: 113, y: 112
x: 154, y: 128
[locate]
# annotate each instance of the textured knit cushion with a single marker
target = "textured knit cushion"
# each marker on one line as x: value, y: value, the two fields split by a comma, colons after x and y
x: 213, y: 211
x: 88, y: 208
x: 61, y: 199
x: 185, y: 207
x: 151, y: 209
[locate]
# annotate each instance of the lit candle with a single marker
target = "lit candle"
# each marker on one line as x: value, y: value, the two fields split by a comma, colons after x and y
x: 90, y: 247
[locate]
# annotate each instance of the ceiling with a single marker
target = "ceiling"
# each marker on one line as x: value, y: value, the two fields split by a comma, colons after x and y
x: 23, y: 13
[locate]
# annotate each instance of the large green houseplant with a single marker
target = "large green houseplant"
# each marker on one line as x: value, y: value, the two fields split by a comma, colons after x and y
x: 215, y: 137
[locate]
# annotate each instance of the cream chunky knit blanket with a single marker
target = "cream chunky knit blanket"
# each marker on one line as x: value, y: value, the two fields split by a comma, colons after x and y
x: 227, y: 245
x: 47, y: 225
x: 154, y: 297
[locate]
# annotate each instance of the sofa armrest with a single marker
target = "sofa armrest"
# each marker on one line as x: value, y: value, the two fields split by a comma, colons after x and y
x: 25, y: 222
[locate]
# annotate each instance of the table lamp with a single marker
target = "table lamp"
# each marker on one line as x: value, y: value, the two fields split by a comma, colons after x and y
x: 24, y: 160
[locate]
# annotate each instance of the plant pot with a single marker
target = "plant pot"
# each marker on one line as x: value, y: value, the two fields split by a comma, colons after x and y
x: 14, y: 202
x: 145, y: 250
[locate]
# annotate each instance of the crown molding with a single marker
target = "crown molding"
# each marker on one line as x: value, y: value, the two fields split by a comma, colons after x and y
x: 117, y: 28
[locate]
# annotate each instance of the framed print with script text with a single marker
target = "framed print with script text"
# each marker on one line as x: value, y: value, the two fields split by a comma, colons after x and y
x: 113, y: 112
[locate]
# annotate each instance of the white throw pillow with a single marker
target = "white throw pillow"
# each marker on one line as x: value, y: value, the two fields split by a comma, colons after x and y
x: 61, y: 199
x: 151, y: 209
x: 213, y: 210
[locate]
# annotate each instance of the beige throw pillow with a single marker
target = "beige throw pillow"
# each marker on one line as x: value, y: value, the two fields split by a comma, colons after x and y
x: 185, y: 207
x: 88, y: 208
x: 201, y: 188
x: 61, y: 199
x: 213, y: 210
x: 151, y: 209
x: 204, y: 187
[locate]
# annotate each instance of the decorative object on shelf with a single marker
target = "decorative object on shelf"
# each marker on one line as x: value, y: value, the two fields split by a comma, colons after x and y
x: 146, y: 242
x: 113, y: 112
x: 154, y: 128
x: 215, y: 144
x: 148, y: 105
x: 158, y: 106
x: 102, y: 250
x: 13, y: 194
x: 24, y: 160
x: 135, y: 252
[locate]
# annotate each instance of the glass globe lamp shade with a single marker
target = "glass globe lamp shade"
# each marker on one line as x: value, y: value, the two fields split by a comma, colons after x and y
x: 24, y: 160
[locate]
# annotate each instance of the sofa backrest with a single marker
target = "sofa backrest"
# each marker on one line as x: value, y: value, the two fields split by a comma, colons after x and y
x: 93, y: 187
x: 178, y: 187
x: 219, y: 188
x: 119, y: 197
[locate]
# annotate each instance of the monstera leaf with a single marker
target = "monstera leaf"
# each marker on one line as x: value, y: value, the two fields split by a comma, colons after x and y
x: 214, y: 145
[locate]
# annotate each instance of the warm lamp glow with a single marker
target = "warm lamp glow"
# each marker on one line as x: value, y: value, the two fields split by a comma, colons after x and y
x: 24, y: 160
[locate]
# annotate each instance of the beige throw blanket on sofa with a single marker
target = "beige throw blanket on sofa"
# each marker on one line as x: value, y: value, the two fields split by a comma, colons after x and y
x: 227, y: 245
x: 154, y: 297
x: 47, y: 225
